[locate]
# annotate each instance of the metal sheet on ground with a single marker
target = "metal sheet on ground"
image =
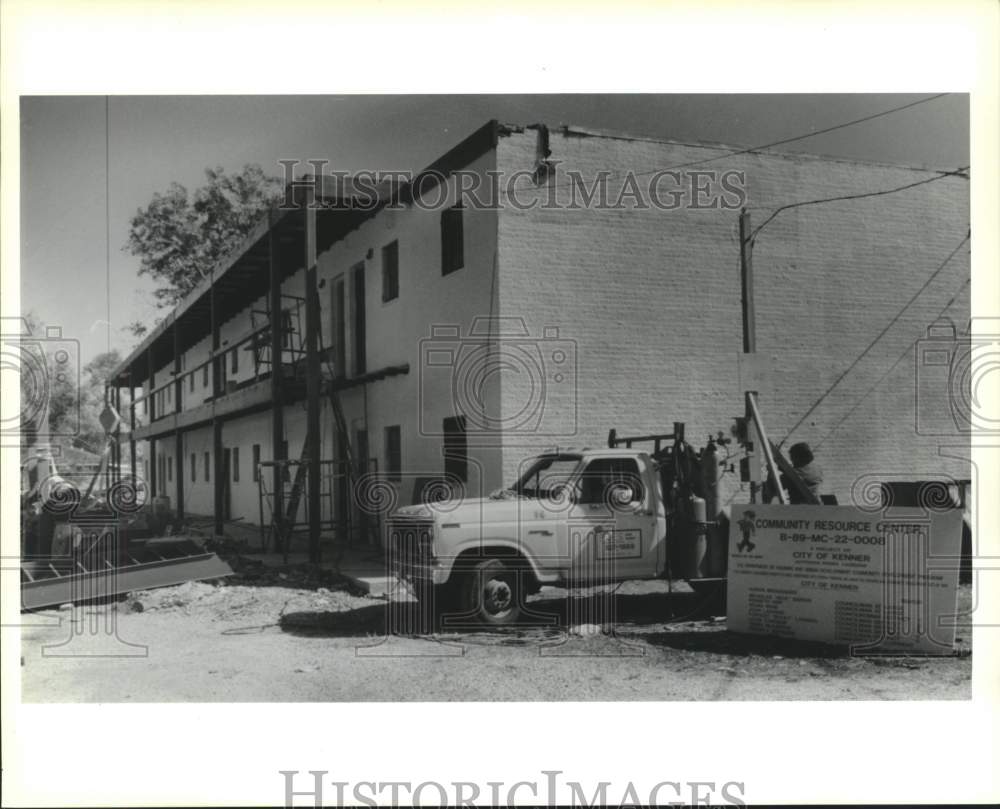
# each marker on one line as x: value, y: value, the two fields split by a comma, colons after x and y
x: 882, y: 583
x: 87, y: 584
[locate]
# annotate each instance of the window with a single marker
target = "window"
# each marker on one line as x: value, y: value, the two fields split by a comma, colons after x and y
x: 234, y: 360
x: 452, y: 240
x: 208, y: 464
x: 204, y: 375
x: 194, y: 468
x: 361, y: 444
x: 169, y: 394
x: 170, y: 470
x: 390, y: 271
x: 339, y: 325
x: 606, y: 479
x: 456, y: 450
x: 191, y: 383
x: 393, y: 453
x: 236, y: 464
x: 256, y: 463
x: 360, y: 351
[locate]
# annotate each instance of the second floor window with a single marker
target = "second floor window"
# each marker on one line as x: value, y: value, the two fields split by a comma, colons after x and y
x: 234, y: 360
x: 452, y: 240
x: 390, y: 271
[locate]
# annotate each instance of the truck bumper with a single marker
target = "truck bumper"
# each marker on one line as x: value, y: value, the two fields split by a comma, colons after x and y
x: 424, y: 574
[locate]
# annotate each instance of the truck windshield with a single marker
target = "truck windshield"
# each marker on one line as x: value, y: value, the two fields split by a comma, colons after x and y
x: 546, y: 474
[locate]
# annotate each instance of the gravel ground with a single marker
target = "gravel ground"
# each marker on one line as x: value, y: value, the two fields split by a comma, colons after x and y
x: 279, y: 638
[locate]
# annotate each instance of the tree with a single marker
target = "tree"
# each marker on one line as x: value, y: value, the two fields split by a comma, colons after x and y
x: 179, y: 237
x: 72, y: 407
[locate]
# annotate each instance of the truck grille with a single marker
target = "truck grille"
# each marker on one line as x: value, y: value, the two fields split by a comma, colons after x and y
x: 410, y: 542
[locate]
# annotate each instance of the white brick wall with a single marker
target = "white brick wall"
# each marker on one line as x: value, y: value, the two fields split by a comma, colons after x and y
x: 652, y: 299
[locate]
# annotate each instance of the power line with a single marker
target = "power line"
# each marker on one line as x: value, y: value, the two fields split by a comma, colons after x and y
x: 942, y: 175
x: 763, y: 146
x: 878, y: 337
x: 892, y: 368
x: 107, y: 210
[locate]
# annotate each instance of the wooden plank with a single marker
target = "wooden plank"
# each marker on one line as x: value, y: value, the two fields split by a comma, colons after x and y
x: 772, y: 467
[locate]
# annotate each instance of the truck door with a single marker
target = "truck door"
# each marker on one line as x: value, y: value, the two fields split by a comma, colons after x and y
x: 612, y: 522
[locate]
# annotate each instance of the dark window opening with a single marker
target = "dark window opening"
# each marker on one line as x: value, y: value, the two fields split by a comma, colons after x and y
x: 361, y: 444
x: 390, y: 271
x: 452, y: 240
x: 194, y: 468
x: 234, y: 360
x: 208, y: 464
x: 204, y: 376
x: 393, y: 453
x: 236, y: 464
x: 339, y: 329
x: 170, y: 470
x: 360, y: 349
x: 456, y: 449
x: 191, y: 383
x: 256, y: 463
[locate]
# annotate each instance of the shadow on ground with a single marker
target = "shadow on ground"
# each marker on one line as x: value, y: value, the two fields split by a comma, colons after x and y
x: 546, y: 612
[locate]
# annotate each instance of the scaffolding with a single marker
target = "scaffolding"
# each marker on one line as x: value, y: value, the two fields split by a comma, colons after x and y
x: 339, y: 511
x: 291, y: 330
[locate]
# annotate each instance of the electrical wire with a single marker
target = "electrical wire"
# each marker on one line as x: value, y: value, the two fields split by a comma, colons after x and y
x: 941, y: 176
x: 107, y: 211
x: 892, y: 368
x: 877, y: 337
x: 771, y: 144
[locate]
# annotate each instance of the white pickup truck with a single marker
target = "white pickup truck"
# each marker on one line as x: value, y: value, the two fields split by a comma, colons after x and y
x: 596, y: 516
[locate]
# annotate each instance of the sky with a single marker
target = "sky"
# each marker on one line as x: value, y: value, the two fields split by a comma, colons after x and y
x: 88, y: 163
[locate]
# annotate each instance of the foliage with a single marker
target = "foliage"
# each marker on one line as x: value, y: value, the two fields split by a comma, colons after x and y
x: 179, y: 237
x: 74, y: 401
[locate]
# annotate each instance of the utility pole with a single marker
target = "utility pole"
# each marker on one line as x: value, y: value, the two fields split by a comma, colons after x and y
x: 749, y: 347
x: 313, y: 383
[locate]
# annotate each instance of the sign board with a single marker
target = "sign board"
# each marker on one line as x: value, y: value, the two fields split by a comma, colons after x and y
x: 619, y: 544
x: 882, y: 583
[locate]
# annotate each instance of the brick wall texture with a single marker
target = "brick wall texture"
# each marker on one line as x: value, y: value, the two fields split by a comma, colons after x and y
x: 650, y: 302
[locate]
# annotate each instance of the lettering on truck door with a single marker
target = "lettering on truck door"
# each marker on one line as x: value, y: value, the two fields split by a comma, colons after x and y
x: 611, y: 523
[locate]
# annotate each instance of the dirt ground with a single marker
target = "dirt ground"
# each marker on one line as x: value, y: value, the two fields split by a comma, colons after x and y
x: 286, y: 639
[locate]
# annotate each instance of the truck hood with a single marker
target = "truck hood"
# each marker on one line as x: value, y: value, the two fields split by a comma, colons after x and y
x: 476, y: 510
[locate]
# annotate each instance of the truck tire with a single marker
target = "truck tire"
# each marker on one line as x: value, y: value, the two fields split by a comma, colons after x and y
x: 493, y: 591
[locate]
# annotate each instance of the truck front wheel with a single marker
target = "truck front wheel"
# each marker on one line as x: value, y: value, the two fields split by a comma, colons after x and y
x: 494, y: 591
